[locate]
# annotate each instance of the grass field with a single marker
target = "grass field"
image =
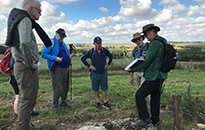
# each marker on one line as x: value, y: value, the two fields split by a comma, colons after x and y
x: 121, y: 98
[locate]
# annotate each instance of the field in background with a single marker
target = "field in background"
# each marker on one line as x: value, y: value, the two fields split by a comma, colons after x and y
x: 178, y: 45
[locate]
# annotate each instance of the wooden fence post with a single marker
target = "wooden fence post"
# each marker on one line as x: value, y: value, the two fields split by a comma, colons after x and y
x: 178, y: 118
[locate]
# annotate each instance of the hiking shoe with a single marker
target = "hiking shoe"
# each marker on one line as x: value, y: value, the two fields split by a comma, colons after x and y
x: 65, y: 105
x: 156, y: 124
x: 106, y: 105
x: 34, y: 113
x: 97, y: 105
x: 142, y: 124
x: 57, y: 109
x: 35, y: 127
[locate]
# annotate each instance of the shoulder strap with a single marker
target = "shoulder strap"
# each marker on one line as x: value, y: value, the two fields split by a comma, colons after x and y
x: 161, y: 41
x: 104, y: 51
x: 92, y: 53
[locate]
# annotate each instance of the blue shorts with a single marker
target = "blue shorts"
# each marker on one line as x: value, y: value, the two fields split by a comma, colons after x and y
x: 99, y: 80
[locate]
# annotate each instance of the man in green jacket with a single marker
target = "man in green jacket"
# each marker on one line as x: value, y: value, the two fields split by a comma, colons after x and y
x: 153, y: 78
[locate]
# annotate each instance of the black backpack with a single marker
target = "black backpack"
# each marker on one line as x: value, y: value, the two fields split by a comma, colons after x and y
x: 169, y: 58
x: 92, y: 52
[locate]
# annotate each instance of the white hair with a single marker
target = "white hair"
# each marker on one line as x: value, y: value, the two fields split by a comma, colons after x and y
x: 29, y: 3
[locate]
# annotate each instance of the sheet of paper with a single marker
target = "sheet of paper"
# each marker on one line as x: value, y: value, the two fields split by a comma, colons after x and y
x: 133, y: 62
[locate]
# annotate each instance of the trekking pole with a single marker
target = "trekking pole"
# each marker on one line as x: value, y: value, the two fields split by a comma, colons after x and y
x: 71, y: 47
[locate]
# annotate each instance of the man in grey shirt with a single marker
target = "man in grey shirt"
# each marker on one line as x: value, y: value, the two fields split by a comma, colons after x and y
x: 25, y: 53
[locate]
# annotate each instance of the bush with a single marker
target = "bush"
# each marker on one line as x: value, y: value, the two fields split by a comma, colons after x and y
x: 119, y: 53
x: 193, y: 107
x: 191, y: 55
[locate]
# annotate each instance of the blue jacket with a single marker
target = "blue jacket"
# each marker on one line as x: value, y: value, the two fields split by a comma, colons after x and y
x: 137, y: 53
x: 98, y: 60
x: 51, y: 56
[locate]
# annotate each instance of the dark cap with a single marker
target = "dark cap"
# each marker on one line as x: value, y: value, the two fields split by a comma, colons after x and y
x: 148, y: 27
x: 97, y: 40
x: 61, y: 32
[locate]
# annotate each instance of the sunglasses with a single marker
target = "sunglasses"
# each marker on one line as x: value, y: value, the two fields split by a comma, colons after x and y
x: 39, y: 10
x: 138, y: 39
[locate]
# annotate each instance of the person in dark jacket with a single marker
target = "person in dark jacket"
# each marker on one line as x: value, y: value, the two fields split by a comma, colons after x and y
x: 58, y: 57
x: 153, y: 78
x: 98, y: 70
x: 25, y: 52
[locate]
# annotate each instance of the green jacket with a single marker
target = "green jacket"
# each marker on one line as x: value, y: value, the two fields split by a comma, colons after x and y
x: 153, y: 60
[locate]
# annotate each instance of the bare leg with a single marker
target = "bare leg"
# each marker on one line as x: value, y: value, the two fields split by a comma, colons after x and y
x: 97, y: 97
x: 104, y: 93
x: 16, y: 104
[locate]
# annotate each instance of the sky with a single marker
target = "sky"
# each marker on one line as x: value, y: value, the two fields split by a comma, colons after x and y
x: 115, y: 21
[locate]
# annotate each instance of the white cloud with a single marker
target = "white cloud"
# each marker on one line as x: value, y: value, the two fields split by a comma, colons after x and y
x: 103, y: 9
x: 7, y: 5
x: 137, y: 9
x: 3, y: 20
x: 50, y: 14
x: 197, y: 9
x: 164, y: 16
x: 64, y: 1
x: 169, y: 2
x: 3, y: 31
x: 193, y: 10
x: 174, y: 5
x: 120, y: 28
x: 183, y: 29
x: 200, y: 1
x: 3, y: 34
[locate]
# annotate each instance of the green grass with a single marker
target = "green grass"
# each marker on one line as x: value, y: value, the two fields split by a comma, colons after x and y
x: 121, y: 95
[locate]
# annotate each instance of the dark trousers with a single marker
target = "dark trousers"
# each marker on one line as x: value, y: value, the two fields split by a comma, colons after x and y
x: 14, y: 84
x: 60, y: 84
x: 154, y: 89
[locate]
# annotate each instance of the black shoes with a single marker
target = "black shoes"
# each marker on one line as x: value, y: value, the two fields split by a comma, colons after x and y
x: 65, y: 105
x: 156, y: 124
x: 142, y: 123
x: 34, y: 113
x: 98, y: 105
x: 56, y: 109
x: 106, y: 105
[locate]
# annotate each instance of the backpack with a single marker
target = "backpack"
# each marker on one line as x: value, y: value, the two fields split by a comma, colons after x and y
x: 92, y: 52
x: 5, y: 66
x: 169, y: 57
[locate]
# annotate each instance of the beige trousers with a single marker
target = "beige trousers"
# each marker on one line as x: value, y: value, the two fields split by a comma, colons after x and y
x: 28, y: 83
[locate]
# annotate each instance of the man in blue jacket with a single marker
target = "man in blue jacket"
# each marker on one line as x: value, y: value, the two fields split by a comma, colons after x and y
x: 58, y: 58
x: 98, y: 70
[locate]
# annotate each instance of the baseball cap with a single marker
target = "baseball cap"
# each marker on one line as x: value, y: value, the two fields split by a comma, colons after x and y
x: 97, y: 40
x: 61, y: 32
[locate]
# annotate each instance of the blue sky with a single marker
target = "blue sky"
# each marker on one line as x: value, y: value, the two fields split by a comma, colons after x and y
x: 115, y: 21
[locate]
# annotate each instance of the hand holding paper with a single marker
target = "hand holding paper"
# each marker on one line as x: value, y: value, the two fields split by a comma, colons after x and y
x: 137, y: 60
